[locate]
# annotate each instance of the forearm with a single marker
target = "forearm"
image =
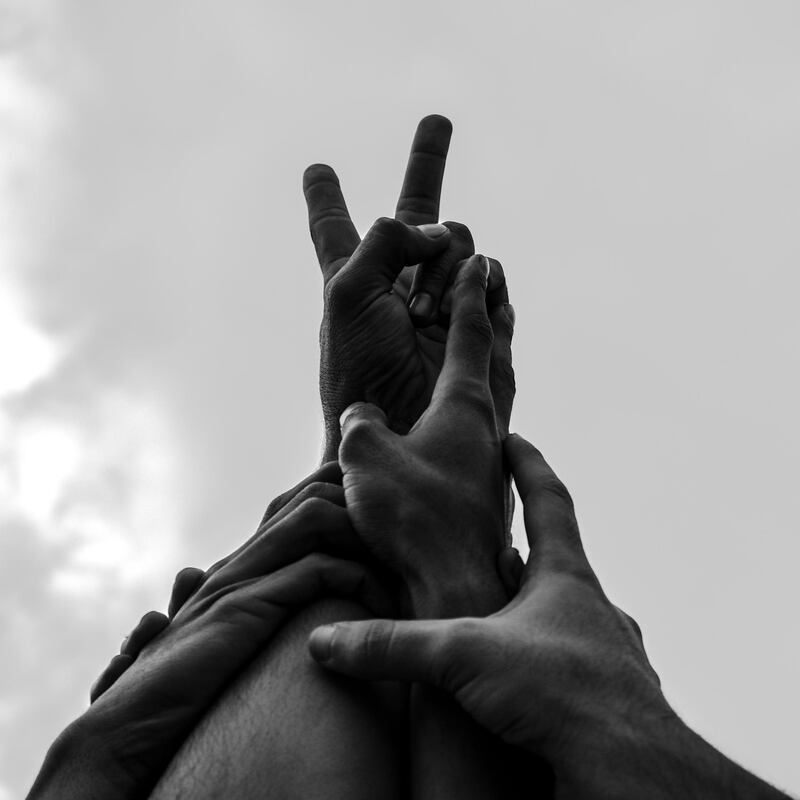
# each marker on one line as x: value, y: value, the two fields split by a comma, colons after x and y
x: 661, y: 759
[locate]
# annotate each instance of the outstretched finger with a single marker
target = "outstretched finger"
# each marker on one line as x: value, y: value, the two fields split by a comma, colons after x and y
x: 469, y: 340
x: 422, y: 185
x: 332, y: 231
x: 550, y: 522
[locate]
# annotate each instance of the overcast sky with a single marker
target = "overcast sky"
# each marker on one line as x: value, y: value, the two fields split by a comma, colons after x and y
x: 635, y: 167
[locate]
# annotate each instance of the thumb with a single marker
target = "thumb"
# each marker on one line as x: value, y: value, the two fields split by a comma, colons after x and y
x: 383, y: 649
x: 364, y: 432
x: 389, y: 246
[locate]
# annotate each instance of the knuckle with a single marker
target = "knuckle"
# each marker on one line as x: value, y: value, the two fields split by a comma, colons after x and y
x: 388, y: 228
x: 316, y: 489
x: 312, y: 509
x: 274, y: 507
x: 461, y: 231
x: 419, y: 204
x: 359, y: 437
x: 459, y: 639
x: 632, y: 623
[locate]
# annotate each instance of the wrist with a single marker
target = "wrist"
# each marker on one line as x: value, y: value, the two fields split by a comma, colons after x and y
x: 459, y: 593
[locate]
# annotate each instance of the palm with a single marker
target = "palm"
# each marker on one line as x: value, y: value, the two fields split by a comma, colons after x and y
x: 387, y: 353
x: 403, y: 361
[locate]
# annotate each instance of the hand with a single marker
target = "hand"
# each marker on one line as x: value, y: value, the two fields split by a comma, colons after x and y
x: 325, y: 484
x: 122, y: 744
x: 556, y: 671
x: 560, y: 671
x: 430, y: 505
x: 382, y: 336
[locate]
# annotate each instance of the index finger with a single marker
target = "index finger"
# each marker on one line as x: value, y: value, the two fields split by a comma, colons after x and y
x: 332, y: 231
x: 469, y: 340
x: 422, y: 185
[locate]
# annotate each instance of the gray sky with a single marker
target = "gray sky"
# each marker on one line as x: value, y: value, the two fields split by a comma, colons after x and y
x: 633, y: 165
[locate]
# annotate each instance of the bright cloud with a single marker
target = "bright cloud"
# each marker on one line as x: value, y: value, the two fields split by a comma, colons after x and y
x: 89, y: 510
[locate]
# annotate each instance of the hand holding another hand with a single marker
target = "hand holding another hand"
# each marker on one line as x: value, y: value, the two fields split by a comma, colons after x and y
x: 384, y: 327
x: 556, y: 671
x: 171, y: 669
x: 430, y: 504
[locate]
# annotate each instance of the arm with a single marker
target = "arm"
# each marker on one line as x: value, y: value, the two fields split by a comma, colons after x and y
x: 171, y: 671
x: 382, y: 339
x: 559, y: 672
x: 430, y: 506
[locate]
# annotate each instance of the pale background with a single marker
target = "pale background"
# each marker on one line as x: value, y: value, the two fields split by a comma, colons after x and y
x: 635, y: 167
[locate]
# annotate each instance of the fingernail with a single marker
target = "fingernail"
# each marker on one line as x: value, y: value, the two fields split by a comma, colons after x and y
x: 512, y: 315
x: 433, y: 230
x: 421, y: 305
x: 486, y: 267
x: 347, y: 412
x: 321, y: 643
x: 124, y: 644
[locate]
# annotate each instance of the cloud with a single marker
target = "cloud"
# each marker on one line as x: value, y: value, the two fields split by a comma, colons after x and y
x: 89, y: 496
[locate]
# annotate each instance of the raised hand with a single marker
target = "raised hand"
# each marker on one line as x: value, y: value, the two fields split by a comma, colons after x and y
x: 175, y: 668
x: 560, y: 671
x: 383, y: 340
x: 430, y: 504
x: 556, y: 660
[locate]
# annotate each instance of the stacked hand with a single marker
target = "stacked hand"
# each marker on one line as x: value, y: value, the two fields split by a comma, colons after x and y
x: 384, y: 325
x: 417, y: 387
x: 430, y: 504
x: 553, y: 672
x: 171, y: 669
